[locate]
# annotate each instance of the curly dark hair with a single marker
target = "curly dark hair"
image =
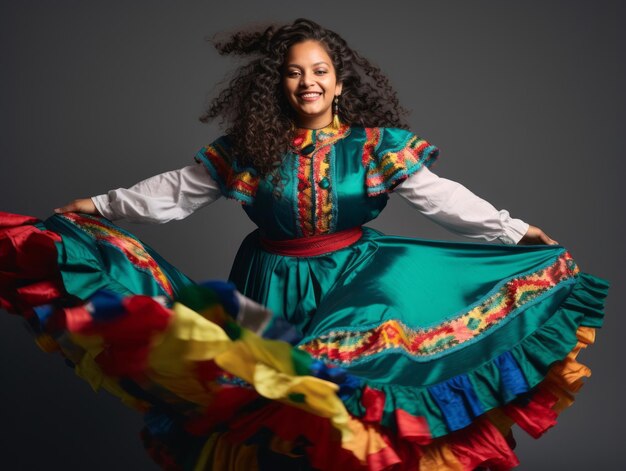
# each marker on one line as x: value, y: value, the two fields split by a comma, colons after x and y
x: 255, y: 110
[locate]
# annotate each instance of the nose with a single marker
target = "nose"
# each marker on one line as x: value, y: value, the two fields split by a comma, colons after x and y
x: 306, y: 80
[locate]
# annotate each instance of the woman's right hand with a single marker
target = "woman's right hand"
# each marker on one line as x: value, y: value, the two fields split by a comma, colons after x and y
x: 534, y: 235
x: 82, y: 205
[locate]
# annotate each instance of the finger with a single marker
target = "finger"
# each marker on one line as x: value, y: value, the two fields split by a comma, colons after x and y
x: 67, y: 208
x: 63, y: 209
x: 546, y: 239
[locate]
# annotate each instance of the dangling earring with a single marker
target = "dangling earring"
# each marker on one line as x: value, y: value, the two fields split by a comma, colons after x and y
x: 336, y: 122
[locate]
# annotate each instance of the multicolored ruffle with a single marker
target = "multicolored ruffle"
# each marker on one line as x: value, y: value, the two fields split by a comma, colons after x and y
x: 217, y: 396
x: 235, y: 182
x: 391, y: 155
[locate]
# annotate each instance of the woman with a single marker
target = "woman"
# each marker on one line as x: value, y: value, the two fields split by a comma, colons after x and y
x: 409, y: 352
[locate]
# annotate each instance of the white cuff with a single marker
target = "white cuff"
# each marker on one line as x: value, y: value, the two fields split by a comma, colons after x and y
x: 513, y: 229
x: 103, y: 205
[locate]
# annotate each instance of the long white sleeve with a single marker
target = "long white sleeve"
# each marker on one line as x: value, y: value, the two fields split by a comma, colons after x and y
x: 456, y: 208
x: 162, y: 198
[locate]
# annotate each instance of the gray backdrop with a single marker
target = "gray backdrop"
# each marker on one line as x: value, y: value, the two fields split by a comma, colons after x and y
x: 524, y: 99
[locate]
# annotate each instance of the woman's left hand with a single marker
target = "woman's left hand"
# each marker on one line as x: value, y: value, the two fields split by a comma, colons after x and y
x: 535, y: 236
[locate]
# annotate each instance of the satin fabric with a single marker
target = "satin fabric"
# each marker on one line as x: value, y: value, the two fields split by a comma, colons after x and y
x: 398, y: 312
x: 435, y: 387
x: 335, y: 179
x: 117, y: 263
x: 383, y: 295
x: 351, y: 206
x: 421, y: 283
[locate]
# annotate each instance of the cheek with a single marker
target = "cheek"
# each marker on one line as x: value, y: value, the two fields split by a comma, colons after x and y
x: 333, y: 84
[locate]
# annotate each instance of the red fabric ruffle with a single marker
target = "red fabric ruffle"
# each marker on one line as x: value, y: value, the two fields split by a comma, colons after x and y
x: 29, y: 273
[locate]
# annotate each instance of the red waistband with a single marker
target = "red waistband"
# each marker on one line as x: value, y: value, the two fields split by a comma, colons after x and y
x: 314, y: 245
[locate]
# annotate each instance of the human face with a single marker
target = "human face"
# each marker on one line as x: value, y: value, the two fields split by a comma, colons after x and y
x: 310, y: 84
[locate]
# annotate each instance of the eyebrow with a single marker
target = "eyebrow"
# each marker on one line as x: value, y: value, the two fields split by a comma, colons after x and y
x: 299, y: 66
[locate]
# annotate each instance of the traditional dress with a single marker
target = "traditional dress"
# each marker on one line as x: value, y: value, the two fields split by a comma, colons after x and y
x: 370, y: 351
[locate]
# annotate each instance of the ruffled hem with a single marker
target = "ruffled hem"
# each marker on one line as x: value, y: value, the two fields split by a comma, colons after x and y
x: 214, y: 392
x: 453, y: 404
x: 486, y: 442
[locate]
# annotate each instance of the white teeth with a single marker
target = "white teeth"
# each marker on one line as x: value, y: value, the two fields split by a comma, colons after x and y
x: 310, y: 95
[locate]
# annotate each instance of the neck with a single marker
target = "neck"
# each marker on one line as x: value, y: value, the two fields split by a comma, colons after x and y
x: 315, y: 124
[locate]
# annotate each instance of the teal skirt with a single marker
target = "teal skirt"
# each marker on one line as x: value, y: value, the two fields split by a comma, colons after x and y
x: 430, y: 324
x: 391, y: 352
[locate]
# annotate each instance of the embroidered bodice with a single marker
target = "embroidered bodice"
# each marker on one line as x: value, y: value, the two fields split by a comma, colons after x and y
x: 334, y: 179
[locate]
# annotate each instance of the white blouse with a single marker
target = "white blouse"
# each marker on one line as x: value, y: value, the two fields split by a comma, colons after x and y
x: 178, y: 193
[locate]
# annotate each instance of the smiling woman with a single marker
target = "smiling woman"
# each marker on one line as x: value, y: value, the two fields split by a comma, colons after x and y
x: 334, y: 346
x: 311, y: 84
x: 262, y: 99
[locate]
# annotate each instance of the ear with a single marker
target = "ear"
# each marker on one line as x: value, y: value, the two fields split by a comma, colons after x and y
x: 338, y: 88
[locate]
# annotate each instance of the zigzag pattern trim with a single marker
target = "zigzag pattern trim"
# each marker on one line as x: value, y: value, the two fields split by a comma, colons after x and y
x: 343, y: 347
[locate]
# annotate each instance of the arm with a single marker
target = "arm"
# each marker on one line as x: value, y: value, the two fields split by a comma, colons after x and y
x: 456, y: 208
x: 162, y: 198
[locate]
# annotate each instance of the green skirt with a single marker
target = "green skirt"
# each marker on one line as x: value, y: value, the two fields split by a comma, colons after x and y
x: 430, y: 324
x: 391, y: 352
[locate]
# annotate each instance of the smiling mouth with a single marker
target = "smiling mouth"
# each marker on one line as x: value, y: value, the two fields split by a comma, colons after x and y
x: 310, y: 96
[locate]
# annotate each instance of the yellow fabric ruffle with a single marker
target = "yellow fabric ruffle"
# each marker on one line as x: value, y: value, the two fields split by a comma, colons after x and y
x: 266, y: 365
x: 191, y: 338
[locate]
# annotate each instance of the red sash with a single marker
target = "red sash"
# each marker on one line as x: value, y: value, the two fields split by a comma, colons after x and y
x: 314, y: 245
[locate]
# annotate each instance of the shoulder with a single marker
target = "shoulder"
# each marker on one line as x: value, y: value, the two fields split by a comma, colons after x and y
x: 235, y: 181
x: 382, y: 139
x: 219, y: 149
x: 379, y: 140
x: 391, y: 155
x: 220, y: 153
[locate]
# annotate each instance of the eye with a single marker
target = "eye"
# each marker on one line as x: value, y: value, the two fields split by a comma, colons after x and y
x: 321, y: 72
x: 293, y: 73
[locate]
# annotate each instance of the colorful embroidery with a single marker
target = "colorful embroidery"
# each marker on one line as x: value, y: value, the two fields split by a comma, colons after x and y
x: 132, y: 248
x: 386, y: 168
x: 316, y: 207
x: 343, y: 347
x: 237, y: 183
x: 319, y: 137
x: 305, y: 213
x: 303, y: 139
x: 324, y: 204
x: 372, y: 139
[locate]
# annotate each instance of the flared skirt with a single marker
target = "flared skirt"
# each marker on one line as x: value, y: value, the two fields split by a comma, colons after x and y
x: 391, y: 353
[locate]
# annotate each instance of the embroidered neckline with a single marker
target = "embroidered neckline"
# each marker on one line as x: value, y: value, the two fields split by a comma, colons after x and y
x: 319, y: 137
